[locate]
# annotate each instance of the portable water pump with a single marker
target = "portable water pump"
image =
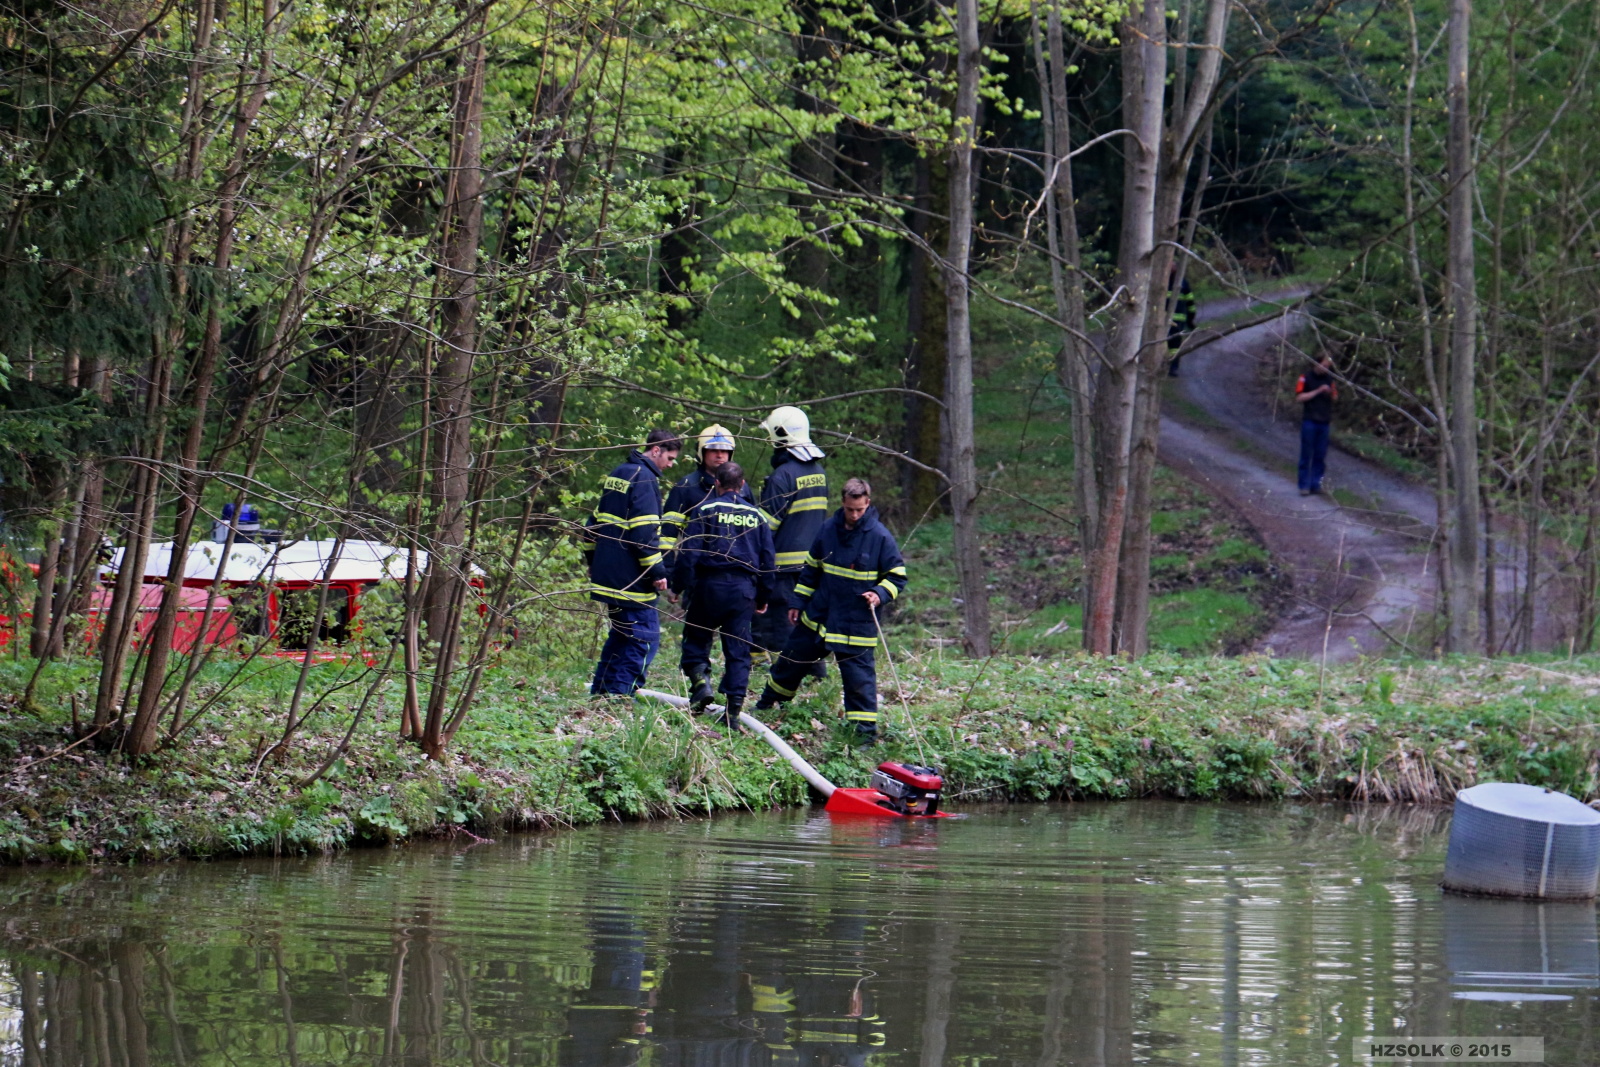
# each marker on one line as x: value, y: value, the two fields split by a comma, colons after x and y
x: 898, y: 790
x: 910, y: 790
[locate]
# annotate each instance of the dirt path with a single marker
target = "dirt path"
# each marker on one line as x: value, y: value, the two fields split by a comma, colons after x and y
x: 1360, y: 556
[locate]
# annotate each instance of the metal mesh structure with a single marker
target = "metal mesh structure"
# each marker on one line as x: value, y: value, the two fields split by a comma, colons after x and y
x: 1522, y: 841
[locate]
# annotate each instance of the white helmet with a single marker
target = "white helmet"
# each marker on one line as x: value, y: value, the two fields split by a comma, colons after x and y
x: 789, y: 428
x: 715, y: 436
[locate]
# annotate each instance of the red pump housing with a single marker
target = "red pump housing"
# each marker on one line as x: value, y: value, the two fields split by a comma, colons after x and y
x: 901, y: 790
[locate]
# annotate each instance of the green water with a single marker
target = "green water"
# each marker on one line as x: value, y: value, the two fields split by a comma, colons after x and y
x: 1139, y: 932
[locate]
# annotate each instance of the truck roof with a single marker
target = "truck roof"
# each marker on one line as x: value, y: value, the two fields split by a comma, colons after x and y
x: 286, y: 561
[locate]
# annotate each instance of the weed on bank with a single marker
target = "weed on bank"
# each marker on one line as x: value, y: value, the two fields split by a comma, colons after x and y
x: 536, y: 753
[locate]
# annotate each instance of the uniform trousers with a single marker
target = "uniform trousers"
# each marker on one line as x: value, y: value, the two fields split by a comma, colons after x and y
x: 1313, y: 454
x: 773, y: 630
x: 858, y: 671
x: 630, y: 648
x: 724, y: 602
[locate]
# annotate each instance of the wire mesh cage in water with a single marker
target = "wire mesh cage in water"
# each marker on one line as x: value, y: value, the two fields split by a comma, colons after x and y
x: 1522, y: 841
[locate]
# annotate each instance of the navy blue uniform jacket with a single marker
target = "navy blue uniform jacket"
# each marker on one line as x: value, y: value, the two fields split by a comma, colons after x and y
x: 696, y: 487
x: 841, y: 566
x: 728, y: 536
x: 623, y: 536
x: 795, y: 498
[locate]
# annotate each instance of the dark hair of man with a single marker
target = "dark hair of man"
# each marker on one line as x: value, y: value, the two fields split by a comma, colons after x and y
x: 729, y: 475
x: 666, y: 440
x: 856, y: 488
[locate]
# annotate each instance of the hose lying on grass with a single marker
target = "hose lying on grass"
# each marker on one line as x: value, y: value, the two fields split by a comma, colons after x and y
x: 759, y: 728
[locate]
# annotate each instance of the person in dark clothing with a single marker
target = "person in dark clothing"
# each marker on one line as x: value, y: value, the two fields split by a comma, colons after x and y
x: 715, y: 446
x: 724, y: 562
x: 854, y: 566
x: 1315, y: 391
x: 795, y: 498
x: 1185, y: 316
x: 626, y: 571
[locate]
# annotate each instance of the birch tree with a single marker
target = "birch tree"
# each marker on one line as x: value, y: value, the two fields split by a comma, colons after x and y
x: 1463, y: 626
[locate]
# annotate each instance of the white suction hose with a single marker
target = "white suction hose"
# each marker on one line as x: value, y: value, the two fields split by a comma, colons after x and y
x: 756, y: 726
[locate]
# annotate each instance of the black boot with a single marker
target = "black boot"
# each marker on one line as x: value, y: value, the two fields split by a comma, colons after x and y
x: 730, y: 715
x: 768, y: 700
x: 700, y: 694
x: 866, y: 734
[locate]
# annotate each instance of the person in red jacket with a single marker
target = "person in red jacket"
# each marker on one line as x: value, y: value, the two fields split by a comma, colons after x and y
x: 1315, y: 392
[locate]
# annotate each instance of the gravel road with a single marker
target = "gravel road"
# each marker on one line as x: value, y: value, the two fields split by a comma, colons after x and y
x: 1360, y: 555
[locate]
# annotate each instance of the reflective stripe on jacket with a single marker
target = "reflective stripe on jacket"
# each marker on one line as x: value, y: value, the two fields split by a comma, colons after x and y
x: 795, y: 498
x: 725, y: 535
x: 693, y: 488
x: 842, y: 565
x: 624, y: 534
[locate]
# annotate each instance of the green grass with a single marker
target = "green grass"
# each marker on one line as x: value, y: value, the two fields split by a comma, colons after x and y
x: 535, y: 753
x: 1374, y: 449
x: 1201, y: 620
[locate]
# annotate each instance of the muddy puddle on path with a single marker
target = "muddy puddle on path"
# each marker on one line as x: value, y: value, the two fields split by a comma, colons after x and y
x: 1140, y: 932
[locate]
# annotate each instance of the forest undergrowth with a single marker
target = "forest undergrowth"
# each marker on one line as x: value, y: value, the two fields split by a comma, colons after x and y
x: 538, y: 754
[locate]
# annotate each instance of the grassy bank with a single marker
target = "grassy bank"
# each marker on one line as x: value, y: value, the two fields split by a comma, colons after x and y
x: 536, y: 753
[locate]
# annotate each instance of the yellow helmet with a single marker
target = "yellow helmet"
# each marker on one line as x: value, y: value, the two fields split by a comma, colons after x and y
x: 715, y: 436
x: 789, y: 428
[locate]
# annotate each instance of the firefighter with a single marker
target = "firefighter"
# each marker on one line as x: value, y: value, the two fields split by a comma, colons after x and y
x: 795, y: 498
x: 854, y: 566
x: 623, y: 541
x: 715, y: 445
x: 724, y: 562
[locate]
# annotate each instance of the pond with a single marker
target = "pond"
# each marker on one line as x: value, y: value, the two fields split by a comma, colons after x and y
x: 1140, y: 932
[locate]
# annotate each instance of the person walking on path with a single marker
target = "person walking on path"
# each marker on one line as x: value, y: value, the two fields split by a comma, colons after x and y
x: 724, y: 563
x: 1315, y: 391
x: 795, y: 499
x: 853, y: 567
x: 626, y: 571
x: 715, y: 445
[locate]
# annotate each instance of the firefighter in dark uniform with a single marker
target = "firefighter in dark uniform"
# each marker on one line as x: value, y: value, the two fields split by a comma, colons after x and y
x: 609, y: 1023
x: 724, y: 564
x: 795, y: 498
x: 854, y: 566
x: 715, y: 445
x: 626, y: 571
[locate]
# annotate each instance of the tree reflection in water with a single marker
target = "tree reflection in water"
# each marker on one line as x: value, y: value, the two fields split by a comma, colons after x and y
x: 1027, y: 937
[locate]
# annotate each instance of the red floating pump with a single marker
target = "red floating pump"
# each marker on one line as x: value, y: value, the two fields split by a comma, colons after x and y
x: 898, y: 789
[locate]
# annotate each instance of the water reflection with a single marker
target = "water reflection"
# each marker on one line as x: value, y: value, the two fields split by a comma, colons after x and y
x: 1518, y: 949
x: 1034, y: 936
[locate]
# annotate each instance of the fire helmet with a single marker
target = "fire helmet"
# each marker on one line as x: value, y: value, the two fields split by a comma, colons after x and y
x: 715, y: 436
x: 789, y: 428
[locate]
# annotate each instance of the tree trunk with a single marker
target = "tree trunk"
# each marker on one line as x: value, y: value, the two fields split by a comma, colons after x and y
x: 1466, y: 529
x: 122, y: 614
x: 1536, y: 491
x: 1074, y: 370
x: 145, y: 730
x: 1190, y: 114
x: 44, y: 601
x: 1144, y: 71
x: 958, y: 377
x: 678, y: 244
x: 928, y: 323
x: 447, y: 579
x: 811, y: 165
x: 1591, y: 543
